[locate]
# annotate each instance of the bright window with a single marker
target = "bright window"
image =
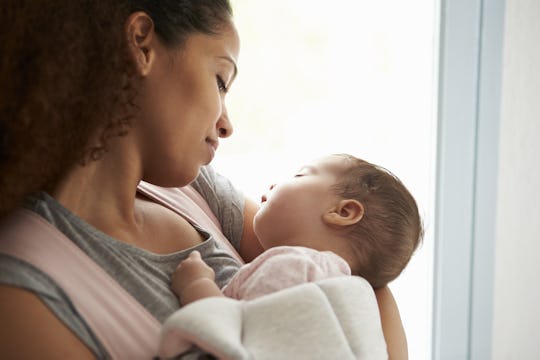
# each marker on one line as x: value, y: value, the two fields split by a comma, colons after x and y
x: 353, y: 76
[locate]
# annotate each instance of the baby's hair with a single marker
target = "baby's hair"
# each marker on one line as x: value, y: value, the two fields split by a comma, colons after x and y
x: 66, y: 75
x: 390, y: 229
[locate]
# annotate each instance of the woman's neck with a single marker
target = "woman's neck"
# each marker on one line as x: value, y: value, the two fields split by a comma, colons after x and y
x: 101, y: 192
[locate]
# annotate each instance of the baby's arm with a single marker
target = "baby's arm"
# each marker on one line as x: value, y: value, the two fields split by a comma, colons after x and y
x: 194, y: 280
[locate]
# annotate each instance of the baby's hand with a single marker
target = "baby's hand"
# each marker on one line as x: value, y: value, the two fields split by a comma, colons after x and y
x: 189, y: 271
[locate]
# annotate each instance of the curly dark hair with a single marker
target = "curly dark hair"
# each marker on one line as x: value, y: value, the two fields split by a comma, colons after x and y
x: 391, y: 228
x: 65, y: 75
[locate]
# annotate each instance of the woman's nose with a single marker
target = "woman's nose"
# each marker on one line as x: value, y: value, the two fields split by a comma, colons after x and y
x: 224, y: 126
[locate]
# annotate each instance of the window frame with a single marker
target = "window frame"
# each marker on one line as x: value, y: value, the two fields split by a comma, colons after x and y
x: 468, y: 116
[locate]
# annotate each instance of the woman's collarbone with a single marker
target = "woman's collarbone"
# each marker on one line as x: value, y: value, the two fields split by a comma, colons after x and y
x: 164, y: 231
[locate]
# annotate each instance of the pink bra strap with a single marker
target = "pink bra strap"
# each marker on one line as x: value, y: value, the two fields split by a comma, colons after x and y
x: 188, y: 203
x: 124, y: 327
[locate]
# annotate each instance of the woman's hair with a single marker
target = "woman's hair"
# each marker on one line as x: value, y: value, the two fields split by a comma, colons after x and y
x: 390, y: 229
x: 66, y: 75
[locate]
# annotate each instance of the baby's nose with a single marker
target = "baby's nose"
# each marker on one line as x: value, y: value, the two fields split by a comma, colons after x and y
x: 264, y: 197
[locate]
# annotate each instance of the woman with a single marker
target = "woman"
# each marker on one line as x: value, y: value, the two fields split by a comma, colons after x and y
x: 95, y: 98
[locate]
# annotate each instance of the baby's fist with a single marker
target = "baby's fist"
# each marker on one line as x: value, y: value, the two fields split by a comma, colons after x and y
x: 190, y: 270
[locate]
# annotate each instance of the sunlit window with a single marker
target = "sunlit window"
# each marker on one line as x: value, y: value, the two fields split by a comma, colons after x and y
x: 319, y: 77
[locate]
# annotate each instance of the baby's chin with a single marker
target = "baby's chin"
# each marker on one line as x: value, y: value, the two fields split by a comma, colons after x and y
x: 258, y: 227
x: 256, y: 223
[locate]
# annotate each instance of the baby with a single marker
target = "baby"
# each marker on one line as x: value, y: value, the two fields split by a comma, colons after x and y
x: 339, y: 215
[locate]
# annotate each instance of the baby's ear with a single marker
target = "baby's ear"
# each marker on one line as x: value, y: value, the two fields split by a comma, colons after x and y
x: 346, y: 212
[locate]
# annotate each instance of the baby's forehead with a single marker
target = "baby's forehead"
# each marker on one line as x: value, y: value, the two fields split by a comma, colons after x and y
x: 330, y: 163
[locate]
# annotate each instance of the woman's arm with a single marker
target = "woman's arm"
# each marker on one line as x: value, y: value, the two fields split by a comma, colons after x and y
x: 394, y: 334
x: 31, y: 331
x: 250, y: 247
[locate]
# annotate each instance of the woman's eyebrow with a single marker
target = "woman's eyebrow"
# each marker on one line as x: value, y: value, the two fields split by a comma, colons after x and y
x: 229, y: 59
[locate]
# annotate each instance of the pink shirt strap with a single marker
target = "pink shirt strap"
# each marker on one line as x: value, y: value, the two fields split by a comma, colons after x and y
x: 187, y: 202
x: 122, y: 325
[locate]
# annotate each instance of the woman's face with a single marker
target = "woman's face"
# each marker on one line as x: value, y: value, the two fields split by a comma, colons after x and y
x: 183, y: 107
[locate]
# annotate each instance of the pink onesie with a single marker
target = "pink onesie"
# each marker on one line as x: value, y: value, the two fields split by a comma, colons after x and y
x: 282, y: 267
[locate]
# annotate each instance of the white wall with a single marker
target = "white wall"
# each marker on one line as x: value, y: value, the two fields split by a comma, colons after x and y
x: 516, y: 319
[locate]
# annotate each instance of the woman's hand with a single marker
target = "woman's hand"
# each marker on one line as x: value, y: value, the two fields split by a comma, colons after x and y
x: 193, y: 279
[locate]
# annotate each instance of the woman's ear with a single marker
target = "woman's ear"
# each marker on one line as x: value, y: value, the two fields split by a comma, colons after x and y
x: 346, y: 212
x: 140, y: 36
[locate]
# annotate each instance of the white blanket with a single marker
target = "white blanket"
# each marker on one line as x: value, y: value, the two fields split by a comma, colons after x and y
x: 336, y: 318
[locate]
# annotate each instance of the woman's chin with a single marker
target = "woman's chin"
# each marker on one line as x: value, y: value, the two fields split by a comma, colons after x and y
x: 173, y: 180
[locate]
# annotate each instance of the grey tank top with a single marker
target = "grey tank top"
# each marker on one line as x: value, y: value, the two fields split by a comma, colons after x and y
x: 145, y: 275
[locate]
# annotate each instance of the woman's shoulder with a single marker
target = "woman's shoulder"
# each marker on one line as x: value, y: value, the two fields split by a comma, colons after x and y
x: 215, y: 187
x: 225, y: 201
x: 18, y: 273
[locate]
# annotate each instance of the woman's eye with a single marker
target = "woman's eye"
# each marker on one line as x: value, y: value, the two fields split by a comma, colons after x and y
x: 221, y: 84
x: 298, y: 175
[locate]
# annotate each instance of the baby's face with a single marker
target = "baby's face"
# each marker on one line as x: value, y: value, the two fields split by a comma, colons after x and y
x: 293, y: 208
